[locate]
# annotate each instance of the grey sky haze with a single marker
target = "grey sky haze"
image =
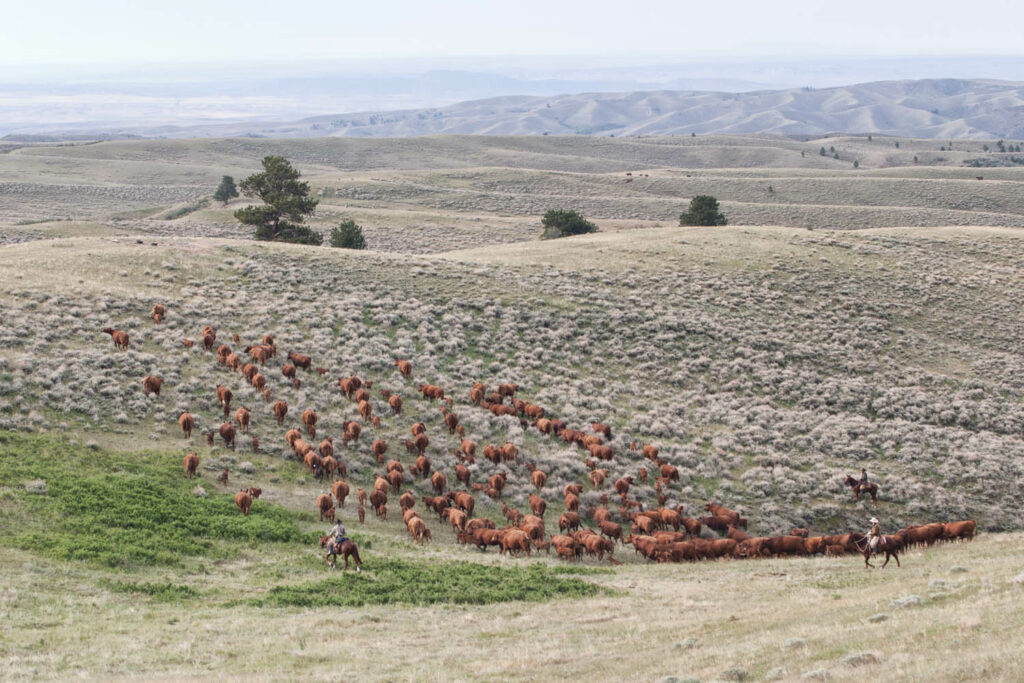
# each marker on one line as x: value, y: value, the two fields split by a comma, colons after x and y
x: 194, y: 31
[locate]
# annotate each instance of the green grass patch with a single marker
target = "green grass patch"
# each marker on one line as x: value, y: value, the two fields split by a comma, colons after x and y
x: 160, y: 592
x: 391, y: 581
x: 116, y: 510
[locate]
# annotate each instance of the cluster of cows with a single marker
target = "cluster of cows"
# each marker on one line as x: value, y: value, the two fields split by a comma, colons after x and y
x: 661, y: 534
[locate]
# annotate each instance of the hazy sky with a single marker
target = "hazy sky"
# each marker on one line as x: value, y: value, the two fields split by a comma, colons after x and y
x: 178, y: 31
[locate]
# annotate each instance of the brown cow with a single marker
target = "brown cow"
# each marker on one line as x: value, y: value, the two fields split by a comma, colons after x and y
x: 622, y: 485
x: 462, y: 473
x: 395, y: 479
x: 539, y: 479
x: 572, y: 502
x: 340, y: 490
x: 309, y: 419
x: 423, y: 465
x: 325, y: 505
x: 457, y: 518
x: 242, y: 418
x: 151, y: 385
x: 300, y: 360
x: 431, y: 391
x: 406, y: 501
x: 720, y: 511
x: 451, y: 420
x: 365, y: 409
x: 191, y: 464
x: 421, y: 441
x: 404, y: 367
x: 959, y: 531
x: 395, y: 401
x: 288, y: 371
x: 227, y: 432
x: 187, y: 424
x: 280, y: 410
x: 568, y: 520
x: 465, y: 501
x: 224, y: 396
x: 120, y: 338
x: 515, y: 541
x: 439, y: 482
x: 243, y: 500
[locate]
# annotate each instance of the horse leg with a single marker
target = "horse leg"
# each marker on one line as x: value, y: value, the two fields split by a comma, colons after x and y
x: 867, y: 554
x: 897, y: 557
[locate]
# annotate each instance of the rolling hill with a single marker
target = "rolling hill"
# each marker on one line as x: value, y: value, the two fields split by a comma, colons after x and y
x: 936, y: 108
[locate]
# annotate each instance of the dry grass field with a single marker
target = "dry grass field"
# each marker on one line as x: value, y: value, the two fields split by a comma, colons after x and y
x: 846, y: 318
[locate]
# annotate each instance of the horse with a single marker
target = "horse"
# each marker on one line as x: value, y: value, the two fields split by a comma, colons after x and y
x: 347, y: 548
x: 857, y: 488
x: 888, y: 544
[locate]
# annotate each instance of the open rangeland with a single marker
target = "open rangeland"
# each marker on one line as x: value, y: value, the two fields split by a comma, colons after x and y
x: 752, y: 366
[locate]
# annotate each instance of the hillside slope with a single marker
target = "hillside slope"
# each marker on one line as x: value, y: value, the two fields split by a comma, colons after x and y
x: 767, y: 363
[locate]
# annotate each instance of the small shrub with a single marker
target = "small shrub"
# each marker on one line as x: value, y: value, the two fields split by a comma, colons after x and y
x: 562, y: 223
x: 348, y: 235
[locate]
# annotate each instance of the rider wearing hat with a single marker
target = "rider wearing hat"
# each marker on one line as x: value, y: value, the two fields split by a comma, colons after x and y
x: 874, y: 535
x: 336, y: 534
x: 863, y: 479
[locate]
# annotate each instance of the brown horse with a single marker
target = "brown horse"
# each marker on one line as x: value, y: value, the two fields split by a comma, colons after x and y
x: 855, y: 486
x: 347, y: 548
x: 888, y: 544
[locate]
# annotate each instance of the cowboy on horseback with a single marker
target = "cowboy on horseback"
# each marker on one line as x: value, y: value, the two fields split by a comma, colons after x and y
x: 874, y: 536
x: 335, y: 537
x: 863, y: 479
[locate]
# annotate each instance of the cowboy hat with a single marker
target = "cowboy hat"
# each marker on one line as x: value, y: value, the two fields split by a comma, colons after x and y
x: 874, y: 520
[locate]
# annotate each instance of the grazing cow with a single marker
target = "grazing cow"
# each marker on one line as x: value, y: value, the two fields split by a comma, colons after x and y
x: 465, y: 501
x: 508, y: 389
x: 224, y: 396
x: 462, y: 473
x: 151, y: 385
x: 611, y: 530
x: 325, y: 505
x: 395, y: 479
x: 492, y: 453
x: 188, y: 343
x: 158, y: 312
x: 243, y: 500
x: 439, y: 482
x: 431, y: 391
x: 349, y: 385
x: 650, y: 452
x: 538, y: 505
x: 209, y: 338
x: 288, y: 371
x: 352, y: 430
x: 418, y: 530
x: 187, y: 424
x: 451, y: 420
x: 603, y: 429
x: 340, y: 490
x: 191, y: 464
x: 572, y: 502
x: 120, y: 338
x: 242, y: 418
x: 259, y: 382
x: 959, y: 531
x: 309, y: 419
x: 421, y: 442
x: 669, y: 473
x: 515, y: 541
x: 539, y: 479
x: 835, y: 550
x: 300, y: 360
x: 395, y: 402
x: 720, y: 511
x: 365, y: 409
x: 404, y: 367
x: 622, y: 485
x: 423, y: 465
x: 568, y: 521
x: 406, y: 501
x: 280, y: 410
x: 227, y: 432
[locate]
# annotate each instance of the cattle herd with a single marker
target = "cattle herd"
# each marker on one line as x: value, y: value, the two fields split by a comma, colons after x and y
x: 656, y: 532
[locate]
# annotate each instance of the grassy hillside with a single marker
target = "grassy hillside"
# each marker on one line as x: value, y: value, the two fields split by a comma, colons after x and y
x: 766, y: 362
x: 249, y: 606
x: 441, y: 193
